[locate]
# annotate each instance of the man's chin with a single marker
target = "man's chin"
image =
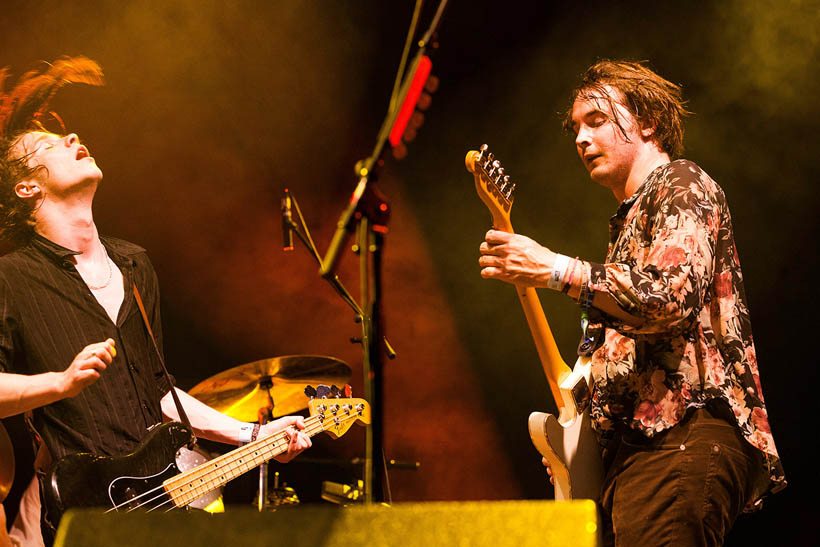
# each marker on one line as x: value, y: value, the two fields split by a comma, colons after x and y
x: 598, y: 176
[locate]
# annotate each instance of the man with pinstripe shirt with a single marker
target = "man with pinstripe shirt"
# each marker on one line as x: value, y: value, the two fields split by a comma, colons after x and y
x: 74, y: 349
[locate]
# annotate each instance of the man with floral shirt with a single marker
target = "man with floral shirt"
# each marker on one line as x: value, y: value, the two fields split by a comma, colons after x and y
x: 677, y: 400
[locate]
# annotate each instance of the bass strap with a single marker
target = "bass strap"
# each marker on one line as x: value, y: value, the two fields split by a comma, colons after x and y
x: 177, y: 402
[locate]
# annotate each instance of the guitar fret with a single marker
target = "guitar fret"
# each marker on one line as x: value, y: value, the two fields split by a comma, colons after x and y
x: 187, y: 487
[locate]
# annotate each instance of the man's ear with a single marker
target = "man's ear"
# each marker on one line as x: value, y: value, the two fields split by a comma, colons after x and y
x: 648, y: 129
x: 27, y: 189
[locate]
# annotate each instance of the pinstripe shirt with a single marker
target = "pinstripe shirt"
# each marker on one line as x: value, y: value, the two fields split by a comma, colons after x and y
x: 48, y: 314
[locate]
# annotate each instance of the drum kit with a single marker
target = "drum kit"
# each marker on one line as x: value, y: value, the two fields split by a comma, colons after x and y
x: 260, y: 392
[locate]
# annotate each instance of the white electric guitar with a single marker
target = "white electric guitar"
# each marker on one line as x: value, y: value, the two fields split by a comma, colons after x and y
x: 567, y: 442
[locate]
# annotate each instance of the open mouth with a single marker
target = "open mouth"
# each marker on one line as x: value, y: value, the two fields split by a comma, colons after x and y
x: 82, y: 152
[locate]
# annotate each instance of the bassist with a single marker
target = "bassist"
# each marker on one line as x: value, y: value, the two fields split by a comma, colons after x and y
x: 74, y: 347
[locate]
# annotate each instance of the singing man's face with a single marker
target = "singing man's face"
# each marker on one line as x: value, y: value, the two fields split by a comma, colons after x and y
x: 67, y: 163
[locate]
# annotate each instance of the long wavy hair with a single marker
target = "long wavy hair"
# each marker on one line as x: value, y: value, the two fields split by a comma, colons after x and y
x: 21, y: 111
x: 652, y: 100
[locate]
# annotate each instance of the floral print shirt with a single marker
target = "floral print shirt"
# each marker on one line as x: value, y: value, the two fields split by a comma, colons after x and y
x: 672, y: 262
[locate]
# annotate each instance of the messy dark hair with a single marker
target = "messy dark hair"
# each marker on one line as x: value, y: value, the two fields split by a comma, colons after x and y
x: 652, y: 100
x: 21, y: 110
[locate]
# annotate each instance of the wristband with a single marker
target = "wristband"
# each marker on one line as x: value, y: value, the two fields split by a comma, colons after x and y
x: 556, y: 280
x: 246, y: 433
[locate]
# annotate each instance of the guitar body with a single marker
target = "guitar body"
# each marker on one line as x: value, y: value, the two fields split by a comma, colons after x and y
x: 86, y: 480
x: 572, y: 452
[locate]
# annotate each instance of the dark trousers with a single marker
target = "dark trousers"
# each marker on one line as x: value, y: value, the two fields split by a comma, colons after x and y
x: 686, y: 486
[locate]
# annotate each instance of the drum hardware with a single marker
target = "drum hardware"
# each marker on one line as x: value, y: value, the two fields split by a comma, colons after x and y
x: 279, y: 495
x: 264, y: 415
x: 343, y: 494
x: 403, y: 464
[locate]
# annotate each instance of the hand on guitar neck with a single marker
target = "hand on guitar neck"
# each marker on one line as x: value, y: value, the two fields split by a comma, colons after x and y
x: 521, y: 261
x: 515, y: 259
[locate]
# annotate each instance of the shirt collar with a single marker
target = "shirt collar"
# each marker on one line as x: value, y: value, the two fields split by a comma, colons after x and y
x: 120, y: 251
x: 627, y: 204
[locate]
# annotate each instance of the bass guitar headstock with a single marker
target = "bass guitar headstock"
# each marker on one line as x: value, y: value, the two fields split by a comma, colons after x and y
x: 493, y: 185
x: 335, y: 409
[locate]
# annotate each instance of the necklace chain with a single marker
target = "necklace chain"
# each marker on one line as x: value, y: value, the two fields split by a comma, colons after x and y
x: 110, y: 272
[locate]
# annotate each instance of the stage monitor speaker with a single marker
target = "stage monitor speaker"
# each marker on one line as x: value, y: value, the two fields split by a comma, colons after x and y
x: 428, y: 524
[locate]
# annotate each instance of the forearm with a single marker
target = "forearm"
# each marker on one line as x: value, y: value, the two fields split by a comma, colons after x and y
x: 20, y: 392
x: 576, y: 275
x: 207, y: 422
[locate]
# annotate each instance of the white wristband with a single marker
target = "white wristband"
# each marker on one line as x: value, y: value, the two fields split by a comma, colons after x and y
x: 559, y: 268
x: 245, y: 433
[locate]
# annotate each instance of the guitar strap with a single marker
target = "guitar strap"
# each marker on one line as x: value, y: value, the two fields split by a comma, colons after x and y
x: 180, y: 410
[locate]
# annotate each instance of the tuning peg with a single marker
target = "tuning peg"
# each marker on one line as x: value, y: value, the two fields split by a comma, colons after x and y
x: 499, y: 175
x: 496, y: 165
x: 322, y: 391
x: 504, y: 182
x: 510, y: 191
x: 481, y: 151
x: 310, y: 391
x: 489, y: 161
x: 348, y: 390
x: 337, y: 393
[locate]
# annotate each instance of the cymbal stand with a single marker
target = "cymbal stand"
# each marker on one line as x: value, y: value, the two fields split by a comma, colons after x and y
x: 265, y: 415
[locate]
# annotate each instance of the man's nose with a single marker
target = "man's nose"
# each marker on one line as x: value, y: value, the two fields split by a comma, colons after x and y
x: 71, y: 139
x: 582, y: 138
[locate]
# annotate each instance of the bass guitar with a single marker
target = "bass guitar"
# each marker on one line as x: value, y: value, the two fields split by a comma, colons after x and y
x: 149, y: 479
x: 567, y: 442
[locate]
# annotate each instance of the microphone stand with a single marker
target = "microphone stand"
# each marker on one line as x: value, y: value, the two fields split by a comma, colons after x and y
x: 369, y: 209
x: 363, y: 316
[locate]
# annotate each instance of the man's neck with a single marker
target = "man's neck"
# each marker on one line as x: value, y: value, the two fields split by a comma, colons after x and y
x: 644, y: 165
x: 70, y: 225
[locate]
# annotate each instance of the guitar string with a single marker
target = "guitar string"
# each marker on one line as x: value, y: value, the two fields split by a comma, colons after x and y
x: 188, y: 497
x: 233, y: 461
x: 163, y: 491
x: 265, y: 446
x: 347, y: 414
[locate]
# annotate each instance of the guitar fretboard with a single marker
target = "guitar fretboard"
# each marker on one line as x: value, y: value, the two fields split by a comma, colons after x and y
x: 187, y: 487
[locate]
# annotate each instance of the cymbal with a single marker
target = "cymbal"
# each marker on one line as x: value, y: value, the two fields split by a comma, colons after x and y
x: 241, y: 391
x: 6, y: 463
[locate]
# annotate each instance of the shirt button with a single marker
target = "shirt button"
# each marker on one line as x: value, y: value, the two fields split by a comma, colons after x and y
x: 683, y: 447
x: 715, y: 449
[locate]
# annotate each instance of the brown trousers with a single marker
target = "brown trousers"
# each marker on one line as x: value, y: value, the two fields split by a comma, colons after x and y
x: 686, y: 486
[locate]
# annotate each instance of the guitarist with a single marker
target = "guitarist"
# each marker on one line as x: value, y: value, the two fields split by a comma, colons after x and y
x: 74, y: 348
x: 676, y: 396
